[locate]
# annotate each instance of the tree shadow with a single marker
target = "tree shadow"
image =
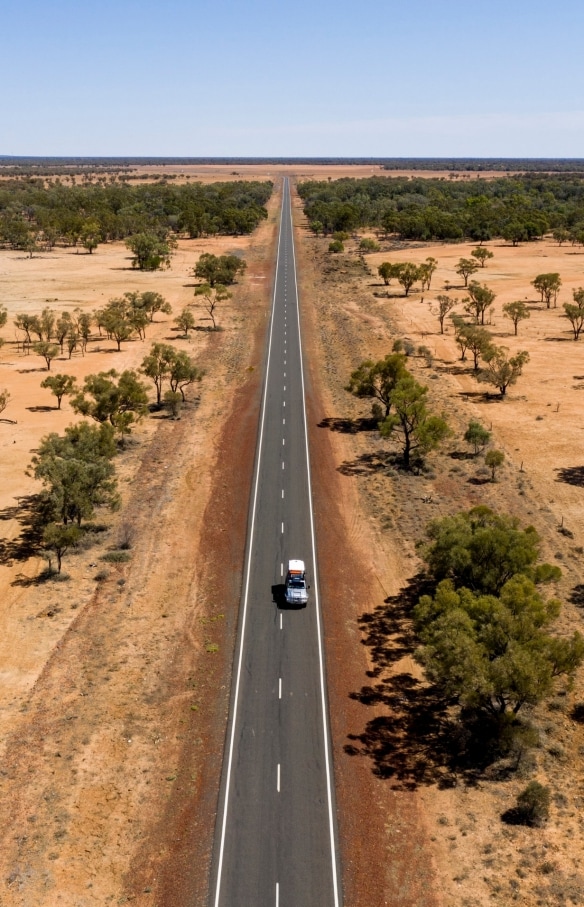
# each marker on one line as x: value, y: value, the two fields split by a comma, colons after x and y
x: 365, y: 464
x: 571, y: 475
x: 558, y: 339
x: 26, y: 544
x: 576, y: 596
x: 462, y: 455
x: 41, y: 409
x: 422, y: 738
x: 349, y: 426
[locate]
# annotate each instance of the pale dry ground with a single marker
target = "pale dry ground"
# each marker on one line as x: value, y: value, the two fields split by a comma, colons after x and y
x: 477, y: 859
x: 300, y: 172
x: 77, y: 800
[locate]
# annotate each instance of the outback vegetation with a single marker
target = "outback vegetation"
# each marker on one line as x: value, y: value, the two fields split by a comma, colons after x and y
x: 518, y: 208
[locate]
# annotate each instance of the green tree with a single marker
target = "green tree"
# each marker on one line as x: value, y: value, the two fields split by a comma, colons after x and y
x: 378, y: 379
x: 479, y: 301
x: 445, y: 305
x: 185, y: 321
x: 407, y: 274
x: 548, y: 286
x: 561, y: 235
x: 212, y: 297
x: 502, y: 370
x: 494, y: 459
x: 117, y: 321
x: 533, y: 804
x: 83, y: 325
x: 173, y: 402
x: 183, y: 372
x: 46, y: 324
x: 3, y: 315
x: 60, y: 386
x: 492, y: 652
x: 477, y: 340
x: 426, y: 270
x: 477, y: 436
x: 77, y: 472
x: 575, y: 313
x: 482, y: 255
x: 25, y: 322
x: 157, y: 366
x: 150, y: 251
x: 386, y: 271
x: 4, y: 401
x: 90, y: 235
x: 336, y: 246
x: 59, y: 539
x: 107, y: 394
x: 62, y: 327
x: 482, y: 550
x: 48, y: 351
x: 219, y: 269
x: 419, y: 430
x: 516, y: 311
x: 466, y: 267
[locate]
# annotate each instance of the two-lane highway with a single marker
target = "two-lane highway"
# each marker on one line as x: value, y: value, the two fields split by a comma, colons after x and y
x: 275, y: 840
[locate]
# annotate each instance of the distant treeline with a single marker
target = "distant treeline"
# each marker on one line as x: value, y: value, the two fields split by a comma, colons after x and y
x: 59, y: 213
x: 517, y: 208
x: 474, y: 164
x: 388, y: 163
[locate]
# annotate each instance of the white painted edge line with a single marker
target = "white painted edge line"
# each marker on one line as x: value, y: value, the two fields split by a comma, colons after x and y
x: 248, y: 573
x: 277, y: 894
x: 327, y: 755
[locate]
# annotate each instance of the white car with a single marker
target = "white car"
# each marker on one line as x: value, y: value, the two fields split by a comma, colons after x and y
x: 296, y: 588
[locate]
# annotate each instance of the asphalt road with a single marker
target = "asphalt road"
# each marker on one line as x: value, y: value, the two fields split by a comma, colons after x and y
x: 275, y: 840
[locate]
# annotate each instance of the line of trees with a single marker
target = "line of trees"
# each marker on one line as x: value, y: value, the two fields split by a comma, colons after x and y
x: 517, y: 208
x: 35, y: 215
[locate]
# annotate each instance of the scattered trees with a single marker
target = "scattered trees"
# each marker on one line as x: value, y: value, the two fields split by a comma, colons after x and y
x: 108, y: 394
x: 150, y: 251
x: 419, y: 430
x: 212, y: 297
x: 77, y: 472
x: 502, y: 370
x: 494, y: 459
x: 220, y: 270
x: 482, y: 255
x: 185, y: 321
x: 59, y: 539
x: 466, y: 267
x: 445, y: 305
x: 575, y: 312
x: 164, y: 363
x: 407, y: 274
x: 548, y: 286
x: 60, y: 386
x: 477, y: 436
x: 479, y: 301
x: 516, y: 311
x: 378, y: 380
x: 48, y: 351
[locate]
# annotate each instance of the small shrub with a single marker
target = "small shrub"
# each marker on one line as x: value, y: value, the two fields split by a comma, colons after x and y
x: 369, y: 245
x: 101, y: 576
x: 116, y: 557
x: 533, y: 804
x: 336, y: 246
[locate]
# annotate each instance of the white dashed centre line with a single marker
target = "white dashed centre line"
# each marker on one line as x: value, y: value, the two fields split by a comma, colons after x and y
x: 282, y: 527
x: 281, y: 569
x: 277, y: 895
x: 280, y: 688
x: 278, y: 782
x: 282, y: 493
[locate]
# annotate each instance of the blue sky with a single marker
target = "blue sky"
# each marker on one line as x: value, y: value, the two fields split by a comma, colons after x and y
x: 261, y: 78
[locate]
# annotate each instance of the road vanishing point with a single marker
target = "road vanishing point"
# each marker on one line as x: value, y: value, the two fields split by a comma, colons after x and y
x: 275, y: 838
